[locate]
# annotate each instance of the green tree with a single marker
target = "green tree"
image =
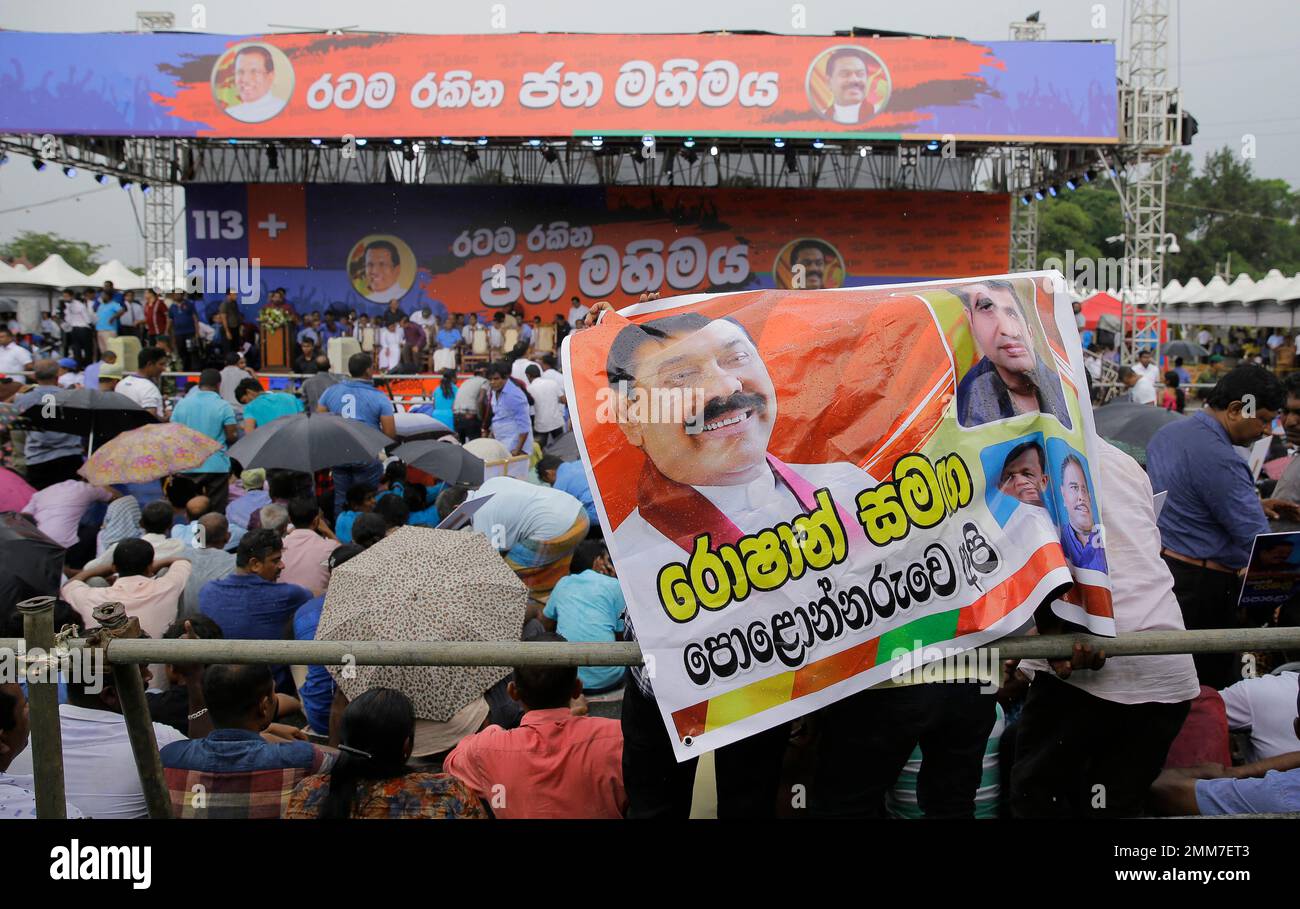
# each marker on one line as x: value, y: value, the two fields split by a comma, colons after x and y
x: 1079, y: 222
x: 36, y: 247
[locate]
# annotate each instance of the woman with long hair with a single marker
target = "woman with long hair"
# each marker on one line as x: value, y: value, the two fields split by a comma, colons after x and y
x: 371, y: 779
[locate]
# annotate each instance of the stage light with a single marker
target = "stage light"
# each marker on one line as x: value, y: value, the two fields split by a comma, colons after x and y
x: 69, y: 171
x: 482, y: 140
x: 101, y: 179
x: 597, y: 141
x: 1087, y: 176
x: 818, y: 143
x: 1052, y: 189
x: 1024, y: 200
x: 145, y: 188
x: 534, y: 142
x: 124, y: 183
x: 315, y: 141
x: 397, y: 141
x: 713, y: 150
x: 688, y: 143
x: 445, y: 141
x: 932, y: 145
x: 647, y: 140
x: 272, y: 158
x: 779, y: 143
x: 1038, y: 195
x: 862, y: 150
x: 1071, y: 185
x: 232, y: 141
x: 38, y: 164
x: 361, y: 141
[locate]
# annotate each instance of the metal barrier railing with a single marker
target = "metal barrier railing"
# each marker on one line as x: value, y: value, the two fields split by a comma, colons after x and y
x: 127, y: 654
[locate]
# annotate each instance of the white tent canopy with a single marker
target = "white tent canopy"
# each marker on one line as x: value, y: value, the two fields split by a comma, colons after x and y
x: 1238, y: 290
x: 121, y: 276
x: 1267, y: 291
x: 53, y: 272
x: 1269, y: 303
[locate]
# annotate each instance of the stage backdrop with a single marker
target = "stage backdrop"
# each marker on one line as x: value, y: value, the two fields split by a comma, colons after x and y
x: 473, y: 248
x: 806, y: 493
x: 374, y: 85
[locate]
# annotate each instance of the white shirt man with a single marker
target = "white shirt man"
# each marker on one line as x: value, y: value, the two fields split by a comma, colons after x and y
x: 76, y: 314
x: 1204, y: 338
x: 143, y: 392
x: 1143, y: 392
x: 577, y: 312
x: 548, y: 411
x: 99, y: 770
x: 14, y: 359
x: 519, y: 369
x: 1275, y: 341
x: 1265, y: 707
x: 1149, y: 371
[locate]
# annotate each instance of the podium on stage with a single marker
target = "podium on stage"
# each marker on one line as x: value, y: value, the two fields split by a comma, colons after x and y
x: 277, y: 348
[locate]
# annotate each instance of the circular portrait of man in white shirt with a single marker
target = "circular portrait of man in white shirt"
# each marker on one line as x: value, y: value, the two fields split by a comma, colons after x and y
x: 848, y: 84
x: 252, y: 82
x: 381, y: 268
x: 808, y: 263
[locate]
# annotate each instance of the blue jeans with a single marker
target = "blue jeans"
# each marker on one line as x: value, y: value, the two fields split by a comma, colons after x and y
x: 348, y: 475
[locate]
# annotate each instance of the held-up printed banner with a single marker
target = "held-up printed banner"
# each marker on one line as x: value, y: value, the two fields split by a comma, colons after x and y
x: 806, y: 493
x: 474, y: 248
x: 376, y: 85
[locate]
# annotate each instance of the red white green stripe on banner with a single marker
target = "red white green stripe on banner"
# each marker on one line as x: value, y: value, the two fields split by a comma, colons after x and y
x: 752, y: 699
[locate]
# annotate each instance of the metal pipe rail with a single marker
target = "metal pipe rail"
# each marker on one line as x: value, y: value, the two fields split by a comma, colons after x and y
x: 519, y: 653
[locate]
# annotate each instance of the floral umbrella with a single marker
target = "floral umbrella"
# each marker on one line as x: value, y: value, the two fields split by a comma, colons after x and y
x: 148, y: 453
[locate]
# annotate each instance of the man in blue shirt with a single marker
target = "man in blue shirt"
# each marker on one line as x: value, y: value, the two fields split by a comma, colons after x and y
x: 107, y: 317
x: 1080, y: 538
x: 184, y: 328
x: 249, y: 604
x: 1212, y: 512
x: 317, y: 691
x: 205, y: 411
x: 511, y: 424
x: 358, y: 399
x: 568, y: 476
x: 588, y: 605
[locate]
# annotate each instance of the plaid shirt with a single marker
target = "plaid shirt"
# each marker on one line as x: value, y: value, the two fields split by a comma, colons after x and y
x: 639, y: 673
x: 234, y: 773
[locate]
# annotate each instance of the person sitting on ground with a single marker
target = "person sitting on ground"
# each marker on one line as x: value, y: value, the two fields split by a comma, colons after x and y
x: 360, y: 500
x: 394, y: 511
x: 369, y: 528
x: 307, y: 546
x: 421, y: 505
x: 556, y: 764
x: 282, y: 485
x: 156, y: 521
x: 262, y: 406
x: 17, y: 798
x: 588, y: 605
x: 237, y: 772
x: 371, y: 778
x: 274, y: 517
x: 570, y: 477
x: 172, y: 705
x: 250, y: 604
x: 1262, y: 707
x: 99, y: 771
x: 151, y: 597
x: 394, y: 480
x: 240, y: 510
x: 209, y: 560
x: 1270, y: 786
x: 317, y: 691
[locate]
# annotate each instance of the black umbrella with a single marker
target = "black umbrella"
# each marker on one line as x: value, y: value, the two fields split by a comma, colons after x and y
x: 447, y: 461
x: 98, y: 415
x: 1130, y: 426
x: 31, y: 564
x: 1185, y: 349
x: 308, y: 443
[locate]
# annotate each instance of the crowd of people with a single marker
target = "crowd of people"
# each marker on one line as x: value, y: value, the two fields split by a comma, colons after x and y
x: 221, y: 551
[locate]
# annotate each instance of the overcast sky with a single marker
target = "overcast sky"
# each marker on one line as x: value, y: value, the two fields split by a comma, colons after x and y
x: 1236, y: 65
